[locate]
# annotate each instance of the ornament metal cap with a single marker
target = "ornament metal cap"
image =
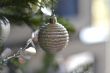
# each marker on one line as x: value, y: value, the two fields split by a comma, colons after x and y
x: 53, y: 37
x: 53, y: 19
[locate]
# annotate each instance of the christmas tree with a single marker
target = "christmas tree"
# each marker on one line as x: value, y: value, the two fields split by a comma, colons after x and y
x: 33, y: 13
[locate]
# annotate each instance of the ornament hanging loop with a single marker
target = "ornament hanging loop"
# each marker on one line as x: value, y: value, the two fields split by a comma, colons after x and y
x: 53, y: 11
x: 53, y: 18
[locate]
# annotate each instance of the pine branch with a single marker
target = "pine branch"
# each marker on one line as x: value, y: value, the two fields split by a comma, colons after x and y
x: 16, y: 2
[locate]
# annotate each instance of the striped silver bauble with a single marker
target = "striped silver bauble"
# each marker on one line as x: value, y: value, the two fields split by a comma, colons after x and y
x: 4, y: 29
x: 53, y: 37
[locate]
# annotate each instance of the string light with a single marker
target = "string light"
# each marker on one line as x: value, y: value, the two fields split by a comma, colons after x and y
x: 7, y: 53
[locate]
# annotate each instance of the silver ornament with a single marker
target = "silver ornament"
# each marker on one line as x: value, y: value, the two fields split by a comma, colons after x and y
x: 4, y: 29
x: 53, y: 37
x: 6, y: 53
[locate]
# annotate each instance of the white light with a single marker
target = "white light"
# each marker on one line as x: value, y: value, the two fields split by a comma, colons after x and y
x: 94, y: 35
x: 31, y: 50
x: 77, y: 60
x: 46, y: 11
x: 35, y: 34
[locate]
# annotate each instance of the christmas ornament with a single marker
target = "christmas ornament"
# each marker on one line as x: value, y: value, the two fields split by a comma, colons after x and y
x: 28, y: 53
x: 53, y: 36
x: 21, y: 60
x: 7, y: 52
x: 30, y: 50
x: 4, y: 29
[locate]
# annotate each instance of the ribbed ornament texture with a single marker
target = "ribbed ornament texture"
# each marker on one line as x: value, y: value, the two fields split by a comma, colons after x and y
x: 53, y: 37
x: 4, y: 29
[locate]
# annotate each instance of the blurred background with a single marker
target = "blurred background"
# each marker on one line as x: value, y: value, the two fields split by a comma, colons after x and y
x: 88, y: 48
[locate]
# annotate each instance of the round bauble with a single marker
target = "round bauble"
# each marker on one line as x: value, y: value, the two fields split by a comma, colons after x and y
x: 53, y: 37
x: 4, y: 29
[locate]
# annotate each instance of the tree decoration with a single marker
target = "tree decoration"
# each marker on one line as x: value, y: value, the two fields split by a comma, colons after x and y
x: 53, y: 36
x: 4, y: 29
x: 21, y: 60
x: 8, y: 54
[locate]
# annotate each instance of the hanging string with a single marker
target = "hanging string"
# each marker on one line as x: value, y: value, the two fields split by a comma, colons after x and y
x: 18, y: 53
x: 53, y: 11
